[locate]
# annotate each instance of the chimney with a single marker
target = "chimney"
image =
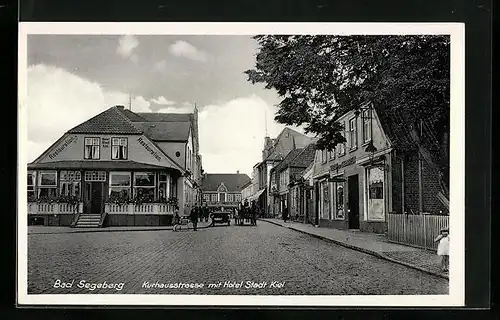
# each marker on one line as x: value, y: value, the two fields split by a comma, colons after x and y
x: 237, y: 171
x: 120, y: 107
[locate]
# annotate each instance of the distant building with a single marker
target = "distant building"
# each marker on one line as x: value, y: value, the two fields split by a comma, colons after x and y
x: 274, y: 151
x: 118, y: 168
x: 224, y: 190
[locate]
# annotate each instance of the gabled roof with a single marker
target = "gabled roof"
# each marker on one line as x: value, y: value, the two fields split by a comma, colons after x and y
x: 288, y: 159
x: 233, y: 181
x: 165, y: 131
x: 305, y: 158
x: 110, y: 121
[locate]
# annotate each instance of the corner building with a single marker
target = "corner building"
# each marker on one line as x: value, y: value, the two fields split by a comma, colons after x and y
x: 118, y: 168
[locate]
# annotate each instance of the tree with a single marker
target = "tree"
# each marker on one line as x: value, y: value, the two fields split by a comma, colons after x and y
x: 319, y: 78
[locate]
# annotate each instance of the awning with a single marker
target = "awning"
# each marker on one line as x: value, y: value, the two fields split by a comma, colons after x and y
x: 257, y: 195
x: 78, y: 164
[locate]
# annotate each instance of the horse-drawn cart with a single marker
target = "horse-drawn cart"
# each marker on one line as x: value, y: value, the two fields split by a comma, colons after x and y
x: 246, y: 216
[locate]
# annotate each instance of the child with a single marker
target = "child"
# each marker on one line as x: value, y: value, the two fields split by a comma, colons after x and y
x: 176, y: 219
x: 444, y: 248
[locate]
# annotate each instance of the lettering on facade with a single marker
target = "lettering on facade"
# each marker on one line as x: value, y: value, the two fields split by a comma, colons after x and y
x: 62, y: 146
x: 345, y: 163
x: 149, y: 149
x: 105, y: 142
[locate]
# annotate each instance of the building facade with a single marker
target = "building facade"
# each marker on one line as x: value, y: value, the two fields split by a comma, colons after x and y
x: 224, y: 191
x: 118, y: 168
x: 364, y: 179
x: 274, y: 151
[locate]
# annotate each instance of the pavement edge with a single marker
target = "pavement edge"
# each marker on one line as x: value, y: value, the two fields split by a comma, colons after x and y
x: 370, y: 252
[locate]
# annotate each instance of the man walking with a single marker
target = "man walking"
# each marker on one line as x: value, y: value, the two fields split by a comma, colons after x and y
x: 194, y: 216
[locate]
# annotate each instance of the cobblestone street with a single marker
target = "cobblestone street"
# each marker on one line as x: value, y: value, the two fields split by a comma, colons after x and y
x: 304, y: 265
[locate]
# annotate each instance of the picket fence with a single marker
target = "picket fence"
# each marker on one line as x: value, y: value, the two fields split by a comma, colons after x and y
x: 416, y: 230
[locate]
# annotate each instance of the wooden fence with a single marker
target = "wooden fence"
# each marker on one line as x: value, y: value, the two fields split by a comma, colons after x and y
x: 416, y: 230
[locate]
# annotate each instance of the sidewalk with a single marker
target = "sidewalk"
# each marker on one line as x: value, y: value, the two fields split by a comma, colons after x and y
x: 374, y: 244
x: 54, y: 230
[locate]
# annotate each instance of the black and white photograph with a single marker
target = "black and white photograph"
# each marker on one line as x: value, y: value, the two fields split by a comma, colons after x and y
x: 241, y: 164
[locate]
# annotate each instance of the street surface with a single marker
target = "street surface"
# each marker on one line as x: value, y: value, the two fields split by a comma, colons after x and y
x: 262, y: 260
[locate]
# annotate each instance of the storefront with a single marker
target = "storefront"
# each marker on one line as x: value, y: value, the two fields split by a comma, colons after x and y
x: 139, y: 195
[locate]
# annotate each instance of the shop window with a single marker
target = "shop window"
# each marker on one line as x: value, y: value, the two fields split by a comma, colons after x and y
x: 47, y: 185
x: 119, y: 147
x: 92, y: 148
x: 119, y: 186
x: 31, y: 186
x: 376, y: 204
x: 69, y: 184
x: 164, y: 189
x: 367, y: 126
x: 325, y: 200
x: 144, y: 186
x: 339, y: 203
x: 353, y: 133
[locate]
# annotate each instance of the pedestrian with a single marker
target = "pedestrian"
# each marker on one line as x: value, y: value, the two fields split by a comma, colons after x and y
x: 176, y: 219
x: 443, y: 249
x: 285, y: 214
x: 205, y: 212
x: 194, y: 216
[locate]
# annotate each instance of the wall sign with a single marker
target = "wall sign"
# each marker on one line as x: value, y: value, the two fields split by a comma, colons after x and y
x: 345, y: 163
x: 63, y: 146
x: 149, y: 149
x: 105, y: 142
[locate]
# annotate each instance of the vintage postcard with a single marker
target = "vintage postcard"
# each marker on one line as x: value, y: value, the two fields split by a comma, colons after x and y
x: 241, y: 164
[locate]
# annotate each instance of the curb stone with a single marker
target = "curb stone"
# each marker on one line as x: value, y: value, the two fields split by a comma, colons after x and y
x: 370, y: 252
x: 125, y: 230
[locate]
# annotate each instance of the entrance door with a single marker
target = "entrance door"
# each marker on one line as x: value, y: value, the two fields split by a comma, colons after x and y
x: 353, y: 198
x: 93, y: 197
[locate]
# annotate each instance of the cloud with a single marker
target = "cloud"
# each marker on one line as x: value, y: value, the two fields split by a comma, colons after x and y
x: 126, y: 47
x: 58, y: 100
x: 162, y: 101
x: 187, y: 50
x: 160, y: 66
x: 232, y: 134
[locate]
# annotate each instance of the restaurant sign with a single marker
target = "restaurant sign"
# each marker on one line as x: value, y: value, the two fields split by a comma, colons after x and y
x: 345, y: 163
x: 149, y: 149
x: 63, y: 146
x: 105, y: 142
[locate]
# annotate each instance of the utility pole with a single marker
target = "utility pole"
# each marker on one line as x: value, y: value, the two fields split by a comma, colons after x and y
x: 130, y: 100
x: 265, y: 120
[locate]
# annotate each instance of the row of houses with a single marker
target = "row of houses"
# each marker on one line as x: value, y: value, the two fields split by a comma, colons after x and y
x: 377, y: 172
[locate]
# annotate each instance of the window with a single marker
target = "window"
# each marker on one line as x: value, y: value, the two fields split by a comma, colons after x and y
x: 375, y: 181
x: 95, y: 176
x: 47, y: 184
x: 353, y: 133
x: 213, y: 197
x: 238, y: 197
x: 323, y: 155
x: 331, y: 154
x: 230, y: 198
x: 69, y: 184
x: 144, y: 185
x: 119, y: 185
x: 164, y: 189
x: 367, y: 125
x: 31, y: 185
x: 222, y: 197
x: 92, y: 148
x: 325, y: 200
x: 119, y: 148
x: 206, y: 197
x: 341, y: 146
x: 339, y: 203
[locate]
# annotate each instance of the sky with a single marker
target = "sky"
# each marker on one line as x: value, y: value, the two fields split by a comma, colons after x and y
x: 74, y: 77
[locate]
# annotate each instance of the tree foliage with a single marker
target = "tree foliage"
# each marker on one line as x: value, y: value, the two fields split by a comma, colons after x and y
x: 319, y: 78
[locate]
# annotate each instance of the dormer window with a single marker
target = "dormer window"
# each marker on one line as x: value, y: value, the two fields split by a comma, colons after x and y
x: 92, y: 148
x: 119, y: 148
